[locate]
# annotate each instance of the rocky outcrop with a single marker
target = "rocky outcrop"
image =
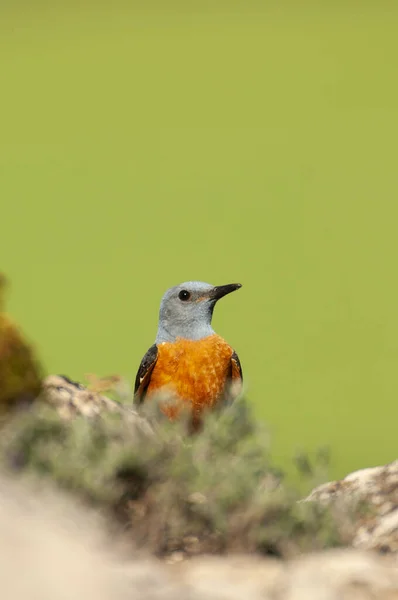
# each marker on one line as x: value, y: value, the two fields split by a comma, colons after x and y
x: 377, y: 489
x: 71, y: 399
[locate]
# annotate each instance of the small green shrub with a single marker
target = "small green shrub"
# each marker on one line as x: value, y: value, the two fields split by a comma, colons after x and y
x: 214, y: 492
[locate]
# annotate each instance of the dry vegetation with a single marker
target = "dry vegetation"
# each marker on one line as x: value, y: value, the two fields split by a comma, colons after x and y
x: 214, y: 492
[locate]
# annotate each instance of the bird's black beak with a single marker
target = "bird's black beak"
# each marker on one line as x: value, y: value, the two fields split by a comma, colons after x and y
x: 222, y: 290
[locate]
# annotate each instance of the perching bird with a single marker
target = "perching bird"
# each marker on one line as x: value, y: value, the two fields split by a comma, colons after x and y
x: 188, y: 360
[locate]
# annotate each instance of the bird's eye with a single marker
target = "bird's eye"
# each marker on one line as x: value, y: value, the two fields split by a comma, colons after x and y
x: 184, y: 295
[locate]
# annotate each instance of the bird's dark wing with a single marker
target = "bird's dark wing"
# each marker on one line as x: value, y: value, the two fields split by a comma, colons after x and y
x: 234, y: 381
x: 236, y: 367
x: 143, y: 376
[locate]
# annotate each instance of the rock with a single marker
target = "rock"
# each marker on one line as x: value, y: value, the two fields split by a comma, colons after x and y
x: 53, y: 548
x: 232, y: 578
x: 330, y: 575
x: 378, y: 488
x: 71, y: 399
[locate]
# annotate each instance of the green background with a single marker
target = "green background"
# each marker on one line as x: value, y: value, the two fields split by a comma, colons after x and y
x: 142, y: 145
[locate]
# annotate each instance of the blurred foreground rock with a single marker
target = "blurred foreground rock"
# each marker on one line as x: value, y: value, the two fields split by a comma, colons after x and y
x: 330, y: 575
x: 53, y: 549
x: 378, y: 488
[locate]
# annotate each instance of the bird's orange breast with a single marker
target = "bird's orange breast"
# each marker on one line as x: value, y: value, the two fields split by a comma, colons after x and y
x: 195, y: 371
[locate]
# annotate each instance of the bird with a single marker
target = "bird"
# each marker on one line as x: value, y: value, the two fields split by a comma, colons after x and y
x: 189, y: 361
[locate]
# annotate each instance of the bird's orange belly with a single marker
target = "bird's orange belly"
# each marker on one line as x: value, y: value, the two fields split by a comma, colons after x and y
x: 193, y: 371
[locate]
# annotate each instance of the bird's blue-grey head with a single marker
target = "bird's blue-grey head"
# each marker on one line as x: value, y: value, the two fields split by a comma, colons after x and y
x: 186, y: 310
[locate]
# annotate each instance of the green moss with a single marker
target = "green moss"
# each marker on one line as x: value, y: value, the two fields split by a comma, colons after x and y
x: 20, y: 373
